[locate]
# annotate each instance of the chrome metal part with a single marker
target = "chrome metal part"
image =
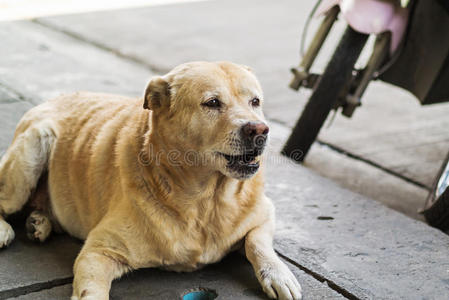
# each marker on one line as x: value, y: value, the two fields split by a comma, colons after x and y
x: 301, y: 72
x: 380, y: 53
x: 443, y: 183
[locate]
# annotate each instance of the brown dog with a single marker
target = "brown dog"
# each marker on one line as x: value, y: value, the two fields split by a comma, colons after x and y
x: 175, y: 185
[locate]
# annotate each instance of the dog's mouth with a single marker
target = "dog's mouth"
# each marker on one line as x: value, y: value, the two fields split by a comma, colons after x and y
x: 245, y: 164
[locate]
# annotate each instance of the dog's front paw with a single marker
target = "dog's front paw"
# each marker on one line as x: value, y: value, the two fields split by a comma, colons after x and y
x: 6, y: 234
x: 278, y: 282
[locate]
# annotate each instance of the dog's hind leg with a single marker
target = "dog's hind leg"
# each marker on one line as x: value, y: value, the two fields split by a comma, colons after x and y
x: 39, y: 223
x: 20, y: 169
x: 38, y: 226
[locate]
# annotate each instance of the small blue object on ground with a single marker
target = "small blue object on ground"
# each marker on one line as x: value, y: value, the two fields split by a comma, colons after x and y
x: 200, y: 294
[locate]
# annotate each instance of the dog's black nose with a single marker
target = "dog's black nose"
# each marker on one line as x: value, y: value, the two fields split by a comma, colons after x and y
x: 254, y: 136
x: 252, y: 129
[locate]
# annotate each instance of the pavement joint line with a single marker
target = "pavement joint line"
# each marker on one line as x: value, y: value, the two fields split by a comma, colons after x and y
x: 36, y: 287
x: 340, y: 150
x: 16, y: 93
x: 331, y: 284
x: 151, y: 67
x: 374, y: 164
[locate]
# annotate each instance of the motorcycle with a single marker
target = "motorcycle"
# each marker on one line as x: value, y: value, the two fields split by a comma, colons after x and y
x: 411, y: 51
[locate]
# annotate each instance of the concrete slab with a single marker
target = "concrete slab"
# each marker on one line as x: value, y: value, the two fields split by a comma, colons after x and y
x: 40, y: 63
x: 27, y: 266
x: 358, y: 176
x: 266, y: 39
x: 369, y: 181
x: 37, y: 66
x: 233, y: 278
x: 391, y: 128
x: 364, y: 248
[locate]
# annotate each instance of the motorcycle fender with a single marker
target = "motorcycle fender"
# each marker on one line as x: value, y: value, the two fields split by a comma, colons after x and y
x: 371, y: 17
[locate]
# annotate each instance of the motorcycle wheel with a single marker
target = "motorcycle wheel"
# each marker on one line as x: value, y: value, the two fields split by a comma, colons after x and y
x: 336, y: 77
x: 436, y: 211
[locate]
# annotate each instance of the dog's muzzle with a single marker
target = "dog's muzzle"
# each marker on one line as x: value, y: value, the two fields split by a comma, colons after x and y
x: 254, y: 138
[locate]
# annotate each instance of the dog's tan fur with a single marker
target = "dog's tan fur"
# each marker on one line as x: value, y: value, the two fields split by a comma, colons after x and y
x: 115, y: 181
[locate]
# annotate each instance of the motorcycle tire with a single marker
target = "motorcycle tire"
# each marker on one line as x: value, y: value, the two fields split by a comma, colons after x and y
x: 436, y: 212
x: 337, y: 75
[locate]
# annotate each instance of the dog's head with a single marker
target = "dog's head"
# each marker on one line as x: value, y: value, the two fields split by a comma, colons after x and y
x: 213, y: 112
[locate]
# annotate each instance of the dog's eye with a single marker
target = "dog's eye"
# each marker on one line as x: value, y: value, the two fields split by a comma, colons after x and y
x: 212, y: 103
x: 255, y: 102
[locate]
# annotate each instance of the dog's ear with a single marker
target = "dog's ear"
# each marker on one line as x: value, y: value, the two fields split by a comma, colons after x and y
x: 157, y: 93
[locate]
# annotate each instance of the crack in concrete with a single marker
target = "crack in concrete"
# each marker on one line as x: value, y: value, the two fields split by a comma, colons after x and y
x: 354, y: 156
x: 135, y: 59
x: 16, y: 93
x: 36, y: 287
x: 374, y: 164
x: 331, y: 284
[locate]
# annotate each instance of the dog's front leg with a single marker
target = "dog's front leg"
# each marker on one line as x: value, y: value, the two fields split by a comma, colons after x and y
x: 94, y: 271
x: 276, y: 279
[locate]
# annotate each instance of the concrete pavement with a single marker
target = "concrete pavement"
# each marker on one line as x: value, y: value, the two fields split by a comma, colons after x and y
x: 340, y: 244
